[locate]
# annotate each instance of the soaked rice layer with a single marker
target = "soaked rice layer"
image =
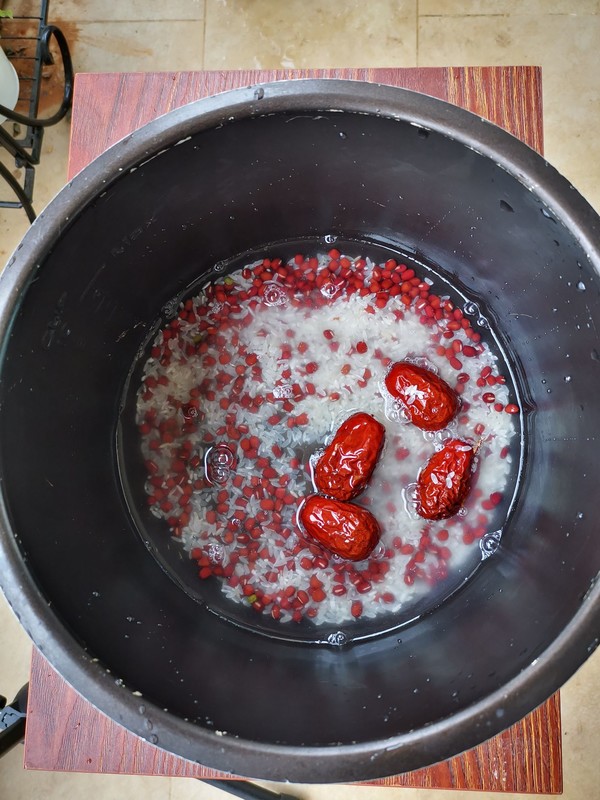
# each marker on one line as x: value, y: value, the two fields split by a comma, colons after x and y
x: 253, y: 377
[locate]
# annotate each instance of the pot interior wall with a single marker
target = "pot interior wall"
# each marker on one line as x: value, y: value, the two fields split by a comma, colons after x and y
x: 157, y: 229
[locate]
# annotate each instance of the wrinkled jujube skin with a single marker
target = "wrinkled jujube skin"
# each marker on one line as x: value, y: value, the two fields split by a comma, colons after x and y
x: 444, y: 482
x: 345, y: 529
x: 429, y: 402
x: 346, y: 466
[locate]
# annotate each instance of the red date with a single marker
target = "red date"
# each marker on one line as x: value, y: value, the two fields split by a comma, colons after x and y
x: 445, y: 481
x: 345, y: 529
x: 428, y: 401
x: 346, y: 466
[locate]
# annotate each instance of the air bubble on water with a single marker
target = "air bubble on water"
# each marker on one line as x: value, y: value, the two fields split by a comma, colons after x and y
x: 544, y: 381
x: 379, y: 551
x: 549, y: 391
x: 483, y: 322
x: 422, y: 361
x: 95, y: 594
x: 595, y: 355
x: 391, y: 408
x: 148, y: 724
x: 215, y: 552
x: 490, y: 543
x: 170, y: 308
x: 331, y: 289
x: 446, y: 433
x: 409, y: 498
x: 547, y: 214
x: 273, y: 294
x: 343, y: 135
x: 283, y: 392
x: 129, y: 619
x: 580, y: 515
x: 330, y: 238
x: 259, y: 93
x: 215, y: 309
x: 337, y: 639
x: 471, y: 309
x: 581, y: 286
x: 219, y: 462
x: 567, y: 379
x: 462, y: 512
x: 153, y: 739
x: 142, y: 709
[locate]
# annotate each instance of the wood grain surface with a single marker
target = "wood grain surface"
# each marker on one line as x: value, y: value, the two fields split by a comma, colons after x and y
x: 116, y: 104
x: 64, y: 731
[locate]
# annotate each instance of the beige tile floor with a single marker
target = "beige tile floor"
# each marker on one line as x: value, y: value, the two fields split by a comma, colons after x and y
x: 563, y: 36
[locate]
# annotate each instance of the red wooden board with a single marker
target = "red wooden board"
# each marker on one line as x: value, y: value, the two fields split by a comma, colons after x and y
x: 109, y: 106
x: 64, y: 731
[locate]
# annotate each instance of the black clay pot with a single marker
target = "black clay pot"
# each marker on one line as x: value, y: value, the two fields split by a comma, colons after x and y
x: 205, y: 184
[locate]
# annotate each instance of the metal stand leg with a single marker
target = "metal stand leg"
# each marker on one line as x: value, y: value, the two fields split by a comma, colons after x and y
x: 247, y: 790
x: 26, y: 149
x: 12, y: 720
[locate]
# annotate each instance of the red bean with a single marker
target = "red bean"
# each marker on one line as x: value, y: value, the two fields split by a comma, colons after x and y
x: 356, y: 608
x: 302, y: 597
x: 318, y: 595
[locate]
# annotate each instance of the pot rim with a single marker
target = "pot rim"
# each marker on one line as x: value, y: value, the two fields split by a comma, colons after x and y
x: 335, y: 763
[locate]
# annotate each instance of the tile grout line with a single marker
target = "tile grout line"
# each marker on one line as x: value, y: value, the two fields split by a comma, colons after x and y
x: 204, y: 35
x: 418, y: 17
